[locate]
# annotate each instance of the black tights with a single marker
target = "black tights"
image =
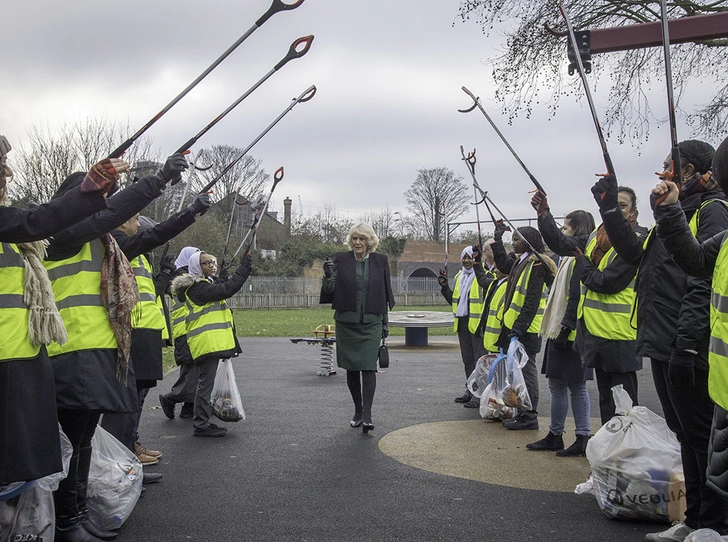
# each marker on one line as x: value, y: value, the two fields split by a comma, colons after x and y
x: 362, y: 392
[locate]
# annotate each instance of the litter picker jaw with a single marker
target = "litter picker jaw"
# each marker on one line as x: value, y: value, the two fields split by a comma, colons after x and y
x: 274, y: 8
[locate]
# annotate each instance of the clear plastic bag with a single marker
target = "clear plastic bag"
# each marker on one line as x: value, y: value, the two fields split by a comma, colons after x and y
x: 225, y: 398
x: 705, y: 535
x: 491, y: 400
x: 114, y: 481
x: 480, y: 377
x: 515, y: 393
x: 636, y: 465
x: 31, y: 515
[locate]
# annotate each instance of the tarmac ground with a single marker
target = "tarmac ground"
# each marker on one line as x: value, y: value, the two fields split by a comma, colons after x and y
x: 295, y: 470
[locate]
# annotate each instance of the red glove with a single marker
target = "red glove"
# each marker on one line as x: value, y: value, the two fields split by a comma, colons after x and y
x: 103, y: 175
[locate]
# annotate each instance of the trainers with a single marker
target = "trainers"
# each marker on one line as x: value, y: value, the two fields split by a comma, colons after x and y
x: 520, y: 423
x: 139, y: 449
x: 187, y: 410
x: 211, y: 430
x: 677, y: 533
x: 147, y: 459
x: 167, y: 406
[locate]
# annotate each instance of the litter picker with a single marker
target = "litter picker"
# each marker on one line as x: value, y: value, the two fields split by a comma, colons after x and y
x: 275, y: 7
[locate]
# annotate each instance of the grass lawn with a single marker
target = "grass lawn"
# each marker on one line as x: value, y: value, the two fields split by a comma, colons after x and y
x: 299, y: 323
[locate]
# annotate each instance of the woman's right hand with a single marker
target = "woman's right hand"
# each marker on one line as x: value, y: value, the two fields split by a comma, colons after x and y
x: 669, y: 190
x: 328, y: 268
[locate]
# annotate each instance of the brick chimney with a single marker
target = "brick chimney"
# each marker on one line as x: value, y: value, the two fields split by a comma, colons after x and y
x: 287, y: 215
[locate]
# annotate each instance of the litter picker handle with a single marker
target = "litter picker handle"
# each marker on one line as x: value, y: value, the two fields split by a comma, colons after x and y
x: 294, y: 52
x: 274, y: 8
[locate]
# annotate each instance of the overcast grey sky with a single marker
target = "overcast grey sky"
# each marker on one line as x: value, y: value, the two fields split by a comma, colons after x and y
x: 389, y: 77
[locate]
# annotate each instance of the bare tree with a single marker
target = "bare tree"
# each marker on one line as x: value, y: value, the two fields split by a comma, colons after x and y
x: 437, y: 197
x: 383, y: 222
x: 530, y: 71
x: 246, y: 175
x: 326, y: 226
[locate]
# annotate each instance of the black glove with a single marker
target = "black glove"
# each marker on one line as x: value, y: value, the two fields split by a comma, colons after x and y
x: 442, y: 278
x: 224, y: 270
x: 681, y: 372
x: 562, y: 341
x: 540, y: 203
x: 171, y: 170
x: 328, y: 268
x: 605, y: 193
x: 167, y: 264
x: 500, y: 228
x: 477, y: 254
x: 514, y: 334
x: 200, y: 205
x: 385, y: 331
x: 245, y: 267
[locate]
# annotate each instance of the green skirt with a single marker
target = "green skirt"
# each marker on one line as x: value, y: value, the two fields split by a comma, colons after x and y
x: 357, y: 346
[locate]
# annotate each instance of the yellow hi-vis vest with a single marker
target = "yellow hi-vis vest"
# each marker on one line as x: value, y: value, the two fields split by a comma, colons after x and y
x: 150, y: 312
x: 179, y: 318
x: 493, y: 324
x: 607, y: 315
x: 76, y: 284
x: 209, y: 327
x: 475, y: 302
x: 513, y: 311
x: 13, y: 310
x: 718, y: 353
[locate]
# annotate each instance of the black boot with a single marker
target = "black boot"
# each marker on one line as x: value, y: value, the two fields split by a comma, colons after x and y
x: 465, y: 397
x: 577, y: 449
x: 84, y: 465
x: 68, y: 520
x: 549, y: 443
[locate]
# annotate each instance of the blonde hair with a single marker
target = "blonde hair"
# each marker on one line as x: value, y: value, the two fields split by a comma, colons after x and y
x: 365, y: 230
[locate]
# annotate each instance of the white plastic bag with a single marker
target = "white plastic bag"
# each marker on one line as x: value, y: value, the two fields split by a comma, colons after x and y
x: 225, y: 398
x: 480, y: 377
x: 636, y: 465
x: 31, y: 514
x: 515, y: 393
x: 114, y: 481
x: 705, y: 535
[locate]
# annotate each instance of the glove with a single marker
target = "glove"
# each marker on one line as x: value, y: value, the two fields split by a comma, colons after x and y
x: 103, y: 175
x: 224, y: 269
x: 171, y: 170
x: 681, y: 372
x: 514, y: 336
x: 605, y: 193
x: 500, y: 228
x: 385, y: 331
x: 328, y: 268
x: 562, y: 341
x: 540, y: 203
x: 200, y: 205
x: 477, y: 254
x: 442, y: 278
x: 245, y: 267
x: 167, y: 264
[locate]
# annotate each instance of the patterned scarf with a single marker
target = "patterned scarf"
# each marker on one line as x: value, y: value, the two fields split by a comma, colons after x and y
x: 603, y: 242
x: 119, y: 295
x: 699, y: 183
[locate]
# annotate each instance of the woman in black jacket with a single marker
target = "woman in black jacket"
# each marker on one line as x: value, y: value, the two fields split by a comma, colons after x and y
x: 357, y: 284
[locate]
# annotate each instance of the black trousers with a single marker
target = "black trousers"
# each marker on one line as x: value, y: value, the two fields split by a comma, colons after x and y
x: 689, y: 414
x: 605, y: 382
x: 471, y: 346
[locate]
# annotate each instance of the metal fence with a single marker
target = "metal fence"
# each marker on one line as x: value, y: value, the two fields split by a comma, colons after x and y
x: 282, y: 293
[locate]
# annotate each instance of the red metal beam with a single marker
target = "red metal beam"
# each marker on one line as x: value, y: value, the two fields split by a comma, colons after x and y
x: 640, y: 36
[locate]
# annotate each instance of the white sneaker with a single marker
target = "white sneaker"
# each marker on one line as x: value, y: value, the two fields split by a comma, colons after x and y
x: 677, y: 533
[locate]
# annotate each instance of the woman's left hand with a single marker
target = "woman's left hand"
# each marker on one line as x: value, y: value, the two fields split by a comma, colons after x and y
x: 385, y: 331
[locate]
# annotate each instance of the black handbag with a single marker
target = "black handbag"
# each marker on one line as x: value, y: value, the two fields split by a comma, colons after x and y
x: 383, y: 356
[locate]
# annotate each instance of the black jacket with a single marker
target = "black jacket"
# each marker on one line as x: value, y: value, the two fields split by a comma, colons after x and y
x: 673, y: 308
x: 380, y: 294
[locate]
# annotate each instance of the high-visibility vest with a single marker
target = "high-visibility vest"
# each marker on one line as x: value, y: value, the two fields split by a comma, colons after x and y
x: 513, y: 311
x: 475, y: 302
x: 718, y: 353
x: 569, y: 275
x: 150, y: 313
x: 607, y: 315
x: 76, y: 284
x: 493, y: 324
x: 695, y: 219
x: 209, y: 327
x: 179, y: 318
x: 13, y: 310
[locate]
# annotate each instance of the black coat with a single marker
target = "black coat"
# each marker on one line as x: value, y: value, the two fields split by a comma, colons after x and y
x: 718, y: 454
x: 380, y: 294
x: 673, y: 308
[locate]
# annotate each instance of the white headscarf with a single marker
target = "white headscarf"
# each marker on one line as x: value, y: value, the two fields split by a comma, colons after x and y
x: 466, y: 280
x: 193, y: 265
x: 184, y: 256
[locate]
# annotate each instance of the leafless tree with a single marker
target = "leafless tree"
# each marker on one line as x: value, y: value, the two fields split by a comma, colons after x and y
x: 529, y: 71
x: 437, y: 197
x: 246, y: 176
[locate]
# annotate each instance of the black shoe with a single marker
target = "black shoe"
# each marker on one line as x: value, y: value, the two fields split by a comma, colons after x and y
x: 187, y: 411
x: 211, y: 430
x: 465, y: 397
x: 366, y: 427
x: 101, y: 534
x: 355, y: 422
x: 577, y: 449
x: 550, y: 443
x: 75, y: 534
x: 167, y: 406
x: 473, y: 403
x: 151, y: 478
x: 520, y: 423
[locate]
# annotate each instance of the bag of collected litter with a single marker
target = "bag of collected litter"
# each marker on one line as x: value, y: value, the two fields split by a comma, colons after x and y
x: 515, y: 393
x: 705, y: 535
x: 636, y: 465
x: 114, y: 481
x: 491, y: 401
x: 30, y: 514
x: 480, y: 377
x: 225, y: 398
